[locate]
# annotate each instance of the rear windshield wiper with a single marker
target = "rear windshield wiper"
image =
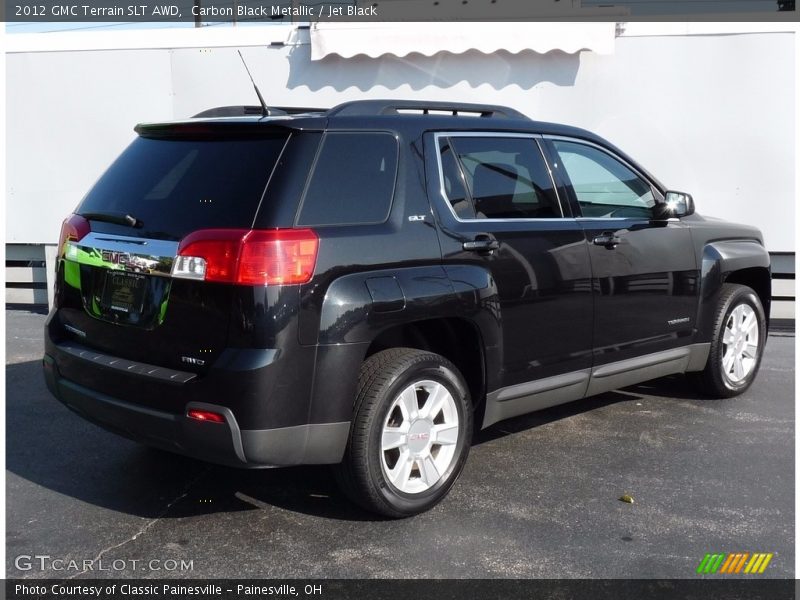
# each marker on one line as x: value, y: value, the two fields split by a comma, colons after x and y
x: 116, y: 218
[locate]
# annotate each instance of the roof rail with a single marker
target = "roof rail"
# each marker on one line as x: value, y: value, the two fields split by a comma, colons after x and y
x: 246, y: 111
x: 363, y: 108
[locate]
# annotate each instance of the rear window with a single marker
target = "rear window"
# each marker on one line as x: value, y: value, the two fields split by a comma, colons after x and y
x: 177, y: 186
x: 353, y: 180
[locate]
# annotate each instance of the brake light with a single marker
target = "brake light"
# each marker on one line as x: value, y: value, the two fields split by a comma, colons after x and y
x: 248, y: 256
x: 205, y: 415
x: 73, y: 229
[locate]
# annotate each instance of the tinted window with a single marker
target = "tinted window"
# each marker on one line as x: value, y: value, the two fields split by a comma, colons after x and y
x: 454, y: 188
x: 353, y: 180
x: 604, y: 187
x: 178, y: 186
x: 506, y: 177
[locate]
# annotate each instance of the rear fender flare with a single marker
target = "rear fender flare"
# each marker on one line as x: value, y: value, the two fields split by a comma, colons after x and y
x: 358, y: 307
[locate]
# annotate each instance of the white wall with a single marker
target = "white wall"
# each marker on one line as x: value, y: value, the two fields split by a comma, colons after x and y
x: 714, y: 116
x: 67, y: 117
x: 709, y: 114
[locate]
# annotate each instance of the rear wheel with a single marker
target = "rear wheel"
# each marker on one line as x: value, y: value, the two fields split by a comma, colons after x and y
x: 410, y: 435
x: 740, y: 332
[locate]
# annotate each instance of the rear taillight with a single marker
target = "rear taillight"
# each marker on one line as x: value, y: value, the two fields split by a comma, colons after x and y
x: 73, y: 229
x: 249, y: 257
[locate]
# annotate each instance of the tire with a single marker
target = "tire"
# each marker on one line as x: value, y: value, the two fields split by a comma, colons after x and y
x: 405, y: 472
x: 731, y: 370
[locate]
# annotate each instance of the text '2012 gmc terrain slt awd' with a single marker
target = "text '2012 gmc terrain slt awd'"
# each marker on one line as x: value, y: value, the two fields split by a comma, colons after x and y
x: 366, y: 285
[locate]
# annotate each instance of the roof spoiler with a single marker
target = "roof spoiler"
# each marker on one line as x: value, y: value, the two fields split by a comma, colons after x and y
x: 210, y: 130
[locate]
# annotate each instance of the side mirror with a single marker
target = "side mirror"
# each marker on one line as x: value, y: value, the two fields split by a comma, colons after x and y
x: 677, y: 204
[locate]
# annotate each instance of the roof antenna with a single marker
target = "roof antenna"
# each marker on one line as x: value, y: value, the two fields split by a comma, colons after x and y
x: 264, y: 109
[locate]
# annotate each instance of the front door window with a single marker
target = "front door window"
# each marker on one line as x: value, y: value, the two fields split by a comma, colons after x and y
x: 603, y: 186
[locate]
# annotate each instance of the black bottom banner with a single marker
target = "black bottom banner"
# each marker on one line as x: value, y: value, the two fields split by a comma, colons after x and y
x: 404, y: 589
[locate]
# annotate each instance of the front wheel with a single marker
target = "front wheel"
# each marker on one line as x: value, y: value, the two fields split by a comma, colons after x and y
x: 410, y: 435
x: 740, y: 332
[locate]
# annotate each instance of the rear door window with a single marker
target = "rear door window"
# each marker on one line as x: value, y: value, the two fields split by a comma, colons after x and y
x: 506, y: 178
x: 353, y: 180
x: 174, y: 186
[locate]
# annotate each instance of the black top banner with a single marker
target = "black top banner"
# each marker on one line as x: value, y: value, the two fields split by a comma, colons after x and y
x: 264, y: 11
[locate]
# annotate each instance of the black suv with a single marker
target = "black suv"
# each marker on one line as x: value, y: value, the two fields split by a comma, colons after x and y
x: 364, y: 286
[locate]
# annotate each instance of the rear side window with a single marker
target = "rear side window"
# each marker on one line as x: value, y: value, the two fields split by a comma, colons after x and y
x: 353, y: 180
x: 176, y: 186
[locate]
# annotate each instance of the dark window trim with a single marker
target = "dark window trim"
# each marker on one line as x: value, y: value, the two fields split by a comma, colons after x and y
x: 462, y: 177
x: 314, y: 170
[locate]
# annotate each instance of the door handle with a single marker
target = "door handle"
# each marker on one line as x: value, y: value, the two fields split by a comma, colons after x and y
x: 482, y: 243
x: 607, y: 239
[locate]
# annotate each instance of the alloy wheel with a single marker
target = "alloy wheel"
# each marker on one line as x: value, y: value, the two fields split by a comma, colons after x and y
x: 740, y: 340
x: 419, y: 437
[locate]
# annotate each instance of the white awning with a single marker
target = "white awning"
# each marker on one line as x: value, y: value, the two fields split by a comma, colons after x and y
x: 429, y: 38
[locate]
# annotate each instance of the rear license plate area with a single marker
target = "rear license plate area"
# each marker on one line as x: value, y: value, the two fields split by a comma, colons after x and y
x: 123, y: 293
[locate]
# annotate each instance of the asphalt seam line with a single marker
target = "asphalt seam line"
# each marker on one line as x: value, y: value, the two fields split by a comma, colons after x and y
x: 147, y: 525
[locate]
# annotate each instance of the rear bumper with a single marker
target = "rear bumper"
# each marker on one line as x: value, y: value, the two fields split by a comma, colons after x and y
x: 221, y: 443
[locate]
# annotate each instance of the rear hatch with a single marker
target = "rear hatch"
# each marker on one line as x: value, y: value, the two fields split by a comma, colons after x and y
x: 116, y: 294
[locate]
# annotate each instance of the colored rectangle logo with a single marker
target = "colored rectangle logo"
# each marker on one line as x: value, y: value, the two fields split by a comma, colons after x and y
x: 734, y: 563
